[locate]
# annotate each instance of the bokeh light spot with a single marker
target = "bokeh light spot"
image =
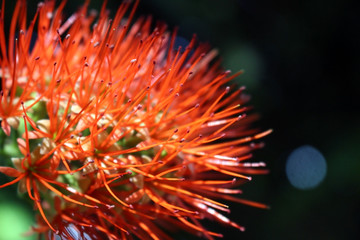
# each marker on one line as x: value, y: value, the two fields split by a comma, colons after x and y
x: 306, y: 167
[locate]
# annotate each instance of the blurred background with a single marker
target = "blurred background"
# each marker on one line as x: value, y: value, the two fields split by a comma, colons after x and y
x: 302, y: 70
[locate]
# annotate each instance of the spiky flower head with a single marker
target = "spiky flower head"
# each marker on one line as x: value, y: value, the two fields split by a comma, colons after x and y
x: 120, y: 134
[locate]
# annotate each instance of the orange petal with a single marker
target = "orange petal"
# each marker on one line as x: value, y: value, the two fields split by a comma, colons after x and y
x: 22, y: 146
x: 34, y: 135
x: 6, y: 127
x: 11, y: 172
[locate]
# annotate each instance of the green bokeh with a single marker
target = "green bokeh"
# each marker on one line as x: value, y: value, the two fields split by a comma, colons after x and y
x: 16, y: 218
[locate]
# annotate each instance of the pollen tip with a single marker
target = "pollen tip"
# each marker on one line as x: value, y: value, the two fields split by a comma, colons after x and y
x: 227, y: 89
x: 37, y: 58
x: 241, y: 116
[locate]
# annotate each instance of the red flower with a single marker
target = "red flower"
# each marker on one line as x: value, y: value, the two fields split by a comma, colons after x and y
x: 123, y: 135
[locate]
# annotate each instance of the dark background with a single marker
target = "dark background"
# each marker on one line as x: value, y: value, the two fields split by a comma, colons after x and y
x: 301, y: 62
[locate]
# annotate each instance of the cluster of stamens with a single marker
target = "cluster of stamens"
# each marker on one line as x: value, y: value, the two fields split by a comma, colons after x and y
x: 119, y: 133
